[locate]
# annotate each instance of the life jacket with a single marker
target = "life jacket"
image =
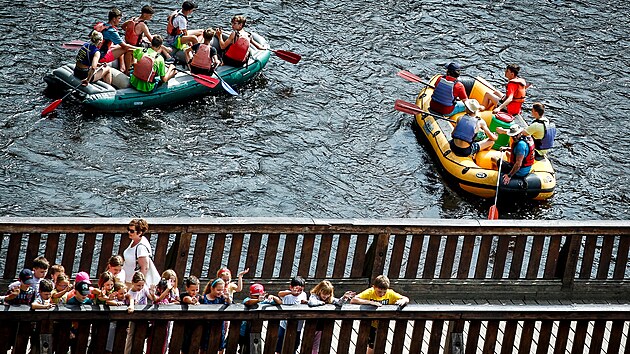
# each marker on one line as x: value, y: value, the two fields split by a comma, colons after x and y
x: 466, y: 128
x: 550, y: 135
x: 101, y: 27
x: 514, y: 107
x: 203, y: 57
x: 170, y: 29
x: 86, y: 53
x: 144, y: 69
x: 130, y: 31
x: 238, y: 50
x: 519, y: 96
x: 443, y: 93
x: 530, y: 158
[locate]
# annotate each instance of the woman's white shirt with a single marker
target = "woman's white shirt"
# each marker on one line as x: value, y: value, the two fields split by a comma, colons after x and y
x: 142, y: 249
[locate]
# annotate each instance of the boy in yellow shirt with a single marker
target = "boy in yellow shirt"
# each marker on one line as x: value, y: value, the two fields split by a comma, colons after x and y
x: 378, y: 295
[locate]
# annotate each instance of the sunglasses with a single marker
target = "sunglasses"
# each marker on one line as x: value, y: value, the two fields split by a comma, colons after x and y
x: 131, y: 231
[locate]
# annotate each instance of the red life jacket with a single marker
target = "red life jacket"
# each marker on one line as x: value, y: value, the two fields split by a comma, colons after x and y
x: 238, y: 50
x: 527, y: 160
x: 144, y: 69
x: 170, y: 29
x: 130, y: 31
x: 203, y: 57
x: 100, y: 27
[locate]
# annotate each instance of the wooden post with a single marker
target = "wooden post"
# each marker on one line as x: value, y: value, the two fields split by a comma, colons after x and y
x: 572, y: 260
x: 255, y: 340
x: 455, y: 337
x: 380, y: 253
x: 181, y: 258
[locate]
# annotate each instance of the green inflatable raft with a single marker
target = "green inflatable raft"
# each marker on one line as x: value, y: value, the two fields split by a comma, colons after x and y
x: 122, y: 97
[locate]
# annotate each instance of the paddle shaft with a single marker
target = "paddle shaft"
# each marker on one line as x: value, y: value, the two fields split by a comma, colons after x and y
x: 410, y: 108
x: 496, y: 194
x: 409, y: 76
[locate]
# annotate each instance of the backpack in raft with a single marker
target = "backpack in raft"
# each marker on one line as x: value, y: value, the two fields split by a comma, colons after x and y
x: 144, y: 70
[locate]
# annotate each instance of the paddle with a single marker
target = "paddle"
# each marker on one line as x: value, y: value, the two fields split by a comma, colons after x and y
x: 73, y: 45
x: 413, y: 78
x: 205, y: 80
x: 291, y: 57
x: 493, y: 213
x: 51, y: 107
x: 226, y: 86
x: 410, y: 108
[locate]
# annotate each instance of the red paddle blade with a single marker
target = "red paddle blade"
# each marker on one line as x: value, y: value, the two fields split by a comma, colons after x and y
x: 493, y: 213
x: 291, y: 57
x: 206, y: 80
x: 409, y: 76
x: 75, y: 44
x: 51, y: 107
x: 407, y: 107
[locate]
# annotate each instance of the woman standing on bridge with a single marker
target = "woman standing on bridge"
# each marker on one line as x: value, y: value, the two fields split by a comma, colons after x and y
x: 138, y: 255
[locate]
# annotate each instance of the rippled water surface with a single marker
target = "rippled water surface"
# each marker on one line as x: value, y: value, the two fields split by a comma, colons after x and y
x: 321, y: 138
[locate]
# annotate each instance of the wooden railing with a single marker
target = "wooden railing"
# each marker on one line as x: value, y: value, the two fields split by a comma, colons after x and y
x: 423, y: 257
x: 466, y: 328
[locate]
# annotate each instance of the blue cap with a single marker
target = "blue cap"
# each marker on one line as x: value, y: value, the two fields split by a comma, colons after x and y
x: 453, y: 66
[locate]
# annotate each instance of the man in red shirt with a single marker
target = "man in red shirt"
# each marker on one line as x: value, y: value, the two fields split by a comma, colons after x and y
x: 515, y: 92
x: 449, y: 94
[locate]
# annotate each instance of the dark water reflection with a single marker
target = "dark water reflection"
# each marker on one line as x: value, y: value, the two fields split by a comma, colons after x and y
x: 321, y: 138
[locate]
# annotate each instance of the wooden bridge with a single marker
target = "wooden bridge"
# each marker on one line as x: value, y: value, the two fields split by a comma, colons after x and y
x: 478, y: 286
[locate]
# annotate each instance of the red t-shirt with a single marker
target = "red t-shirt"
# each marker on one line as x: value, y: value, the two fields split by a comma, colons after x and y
x: 459, y: 91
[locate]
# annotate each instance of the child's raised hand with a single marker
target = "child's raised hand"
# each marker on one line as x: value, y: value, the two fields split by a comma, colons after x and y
x: 240, y: 274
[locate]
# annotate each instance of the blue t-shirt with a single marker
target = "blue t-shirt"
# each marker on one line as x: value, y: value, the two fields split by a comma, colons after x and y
x: 522, y: 149
x: 110, y: 34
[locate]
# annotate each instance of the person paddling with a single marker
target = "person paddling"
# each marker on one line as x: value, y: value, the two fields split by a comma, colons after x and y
x: 205, y: 59
x: 236, y: 47
x: 149, y: 66
x: 87, y: 60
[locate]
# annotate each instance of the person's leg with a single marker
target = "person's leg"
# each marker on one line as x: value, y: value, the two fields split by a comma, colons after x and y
x: 189, y: 39
x: 490, y: 100
x: 485, y: 144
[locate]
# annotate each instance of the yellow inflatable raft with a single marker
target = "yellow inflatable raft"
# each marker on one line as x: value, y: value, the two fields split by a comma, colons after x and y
x: 477, y: 175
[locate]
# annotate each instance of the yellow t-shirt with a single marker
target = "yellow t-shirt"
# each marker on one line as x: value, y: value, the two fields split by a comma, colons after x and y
x: 537, y: 131
x: 390, y: 298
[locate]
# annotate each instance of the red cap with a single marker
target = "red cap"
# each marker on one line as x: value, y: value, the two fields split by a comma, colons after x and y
x: 256, y: 289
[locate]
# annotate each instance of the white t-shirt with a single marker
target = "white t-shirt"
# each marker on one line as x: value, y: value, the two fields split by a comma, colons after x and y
x: 141, y: 296
x: 142, y: 249
x: 292, y: 300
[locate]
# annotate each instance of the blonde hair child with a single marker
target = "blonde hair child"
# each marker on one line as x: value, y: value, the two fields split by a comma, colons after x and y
x: 62, y: 286
x: 230, y: 287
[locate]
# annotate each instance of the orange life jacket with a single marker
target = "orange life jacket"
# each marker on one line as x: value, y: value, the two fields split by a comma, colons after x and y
x: 144, y: 70
x: 130, y: 31
x: 170, y: 29
x: 203, y: 57
x: 519, y: 95
x: 100, y: 27
x: 238, y: 50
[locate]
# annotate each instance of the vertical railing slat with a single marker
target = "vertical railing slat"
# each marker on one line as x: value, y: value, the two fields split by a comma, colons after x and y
x: 342, y: 256
x: 398, y: 251
x: 448, y: 258
x: 306, y: 255
x: 32, y: 249
x: 533, y: 265
x: 161, y: 250
x: 358, y: 262
x: 463, y: 269
x: 69, y: 252
x: 270, y: 255
x: 323, y: 256
x: 216, y: 258
x: 603, y: 266
x: 413, y: 262
x: 518, y: 254
x: 234, y: 259
x: 10, y: 263
x: 288, y: 256
x: 199, y: 254
x: 430, y: 261
x: 87, y: 254
x: 253, y: 252
x: 483, y: 259
x: 107, y: 250
x: 621, y: 261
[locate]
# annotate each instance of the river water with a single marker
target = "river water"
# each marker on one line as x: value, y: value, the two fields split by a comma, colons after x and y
x: 321, y: 138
